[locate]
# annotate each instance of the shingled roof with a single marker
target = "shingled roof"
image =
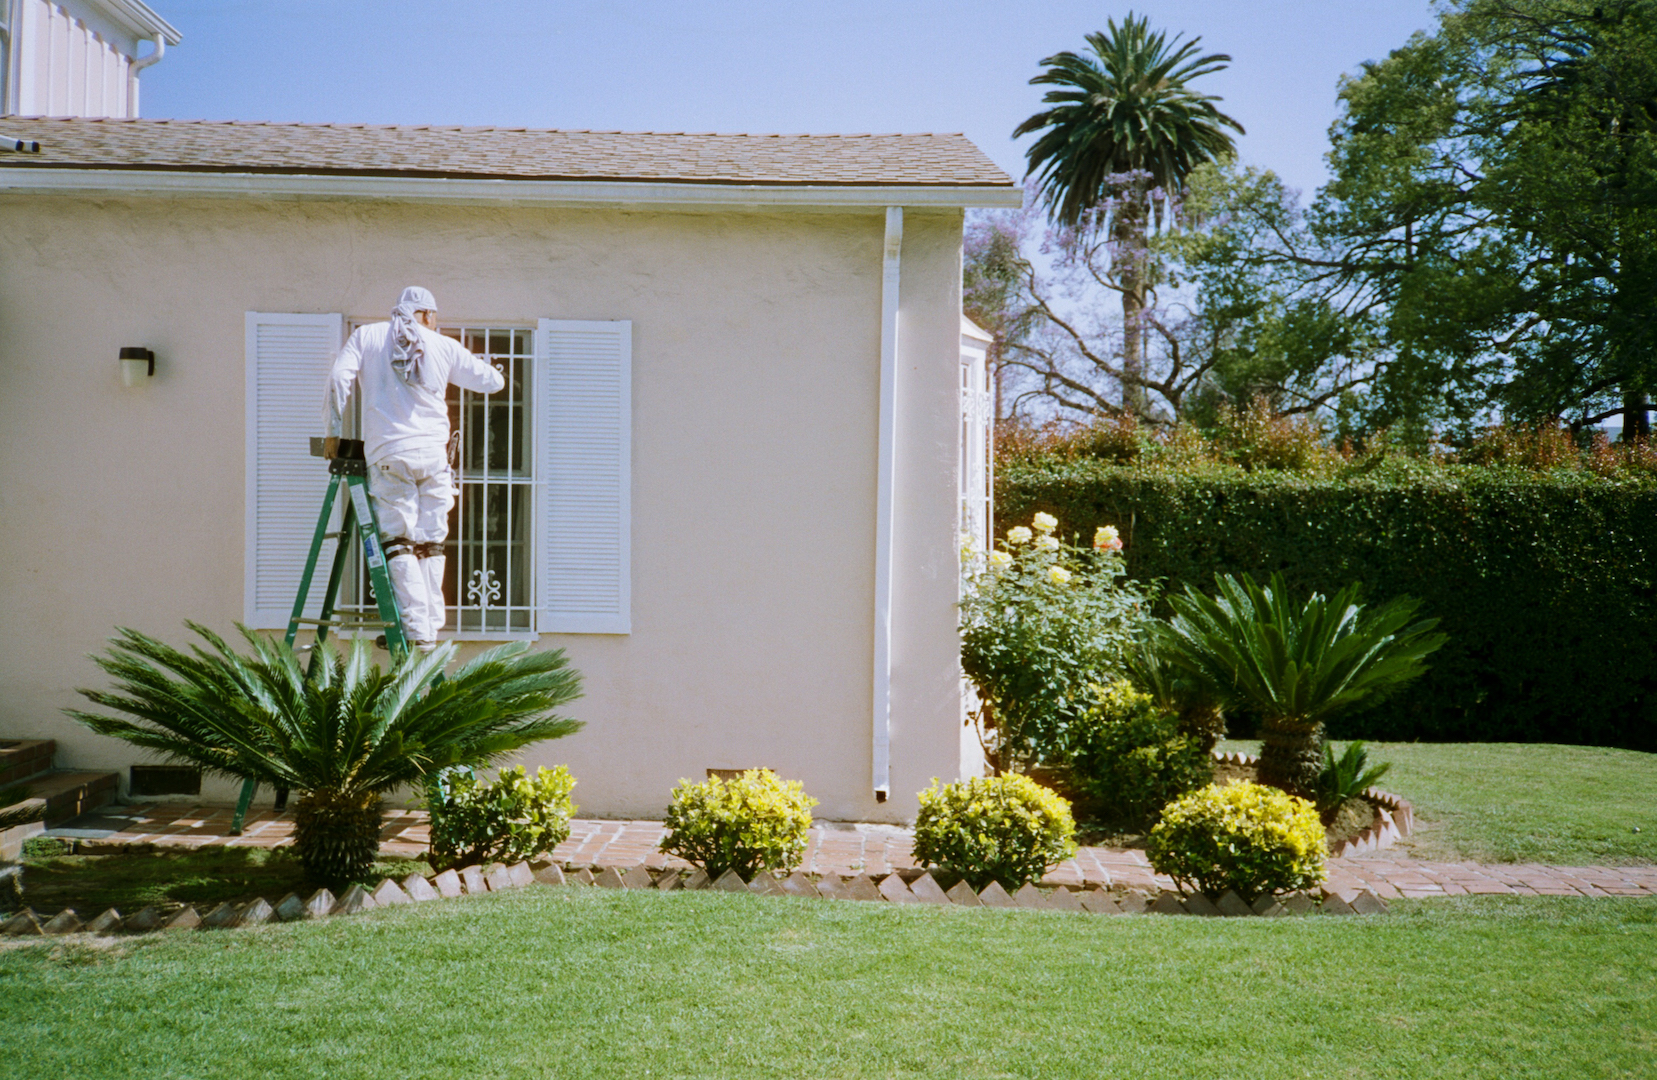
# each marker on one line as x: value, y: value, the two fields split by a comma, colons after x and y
x: 947, y: 160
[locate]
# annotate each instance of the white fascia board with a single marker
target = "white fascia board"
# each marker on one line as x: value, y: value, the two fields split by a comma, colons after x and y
x: 138, y: 17
x: 44, y: 180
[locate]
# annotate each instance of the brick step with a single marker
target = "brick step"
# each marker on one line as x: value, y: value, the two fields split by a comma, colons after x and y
x: 21, y: 759
x: 69, y: 794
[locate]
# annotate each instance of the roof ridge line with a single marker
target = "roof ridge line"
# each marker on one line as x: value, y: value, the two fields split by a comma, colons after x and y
x: 362, y: 126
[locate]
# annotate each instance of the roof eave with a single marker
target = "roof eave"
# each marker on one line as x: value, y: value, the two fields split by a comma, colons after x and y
x: 140, y: 18
x: 39, y: 179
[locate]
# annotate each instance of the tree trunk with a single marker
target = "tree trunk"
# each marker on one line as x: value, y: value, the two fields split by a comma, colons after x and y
x: 1128, y: 236
x: 1204, y: 723
x: 1291, y: 755
x: 1636, y: 417
x: 336, y: 836
x: 988, y: 740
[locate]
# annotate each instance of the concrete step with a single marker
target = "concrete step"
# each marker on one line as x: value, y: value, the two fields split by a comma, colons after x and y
x: 21, y: 759
x: 68, y: 794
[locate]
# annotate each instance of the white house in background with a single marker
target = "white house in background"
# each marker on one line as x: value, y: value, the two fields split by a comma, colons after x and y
x: 77, y: 57
x: 744, y: 435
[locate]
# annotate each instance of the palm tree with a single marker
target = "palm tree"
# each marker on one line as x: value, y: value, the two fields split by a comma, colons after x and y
x: 1296, y: 665
x: 344, y: 735
x: 1123, y: 123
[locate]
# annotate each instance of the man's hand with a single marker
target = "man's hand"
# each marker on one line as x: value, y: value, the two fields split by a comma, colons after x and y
x: 330, y: 447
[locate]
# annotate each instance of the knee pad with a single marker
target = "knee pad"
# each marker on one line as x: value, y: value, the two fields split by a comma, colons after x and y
x: 430, y: 550
x: 400, y: 545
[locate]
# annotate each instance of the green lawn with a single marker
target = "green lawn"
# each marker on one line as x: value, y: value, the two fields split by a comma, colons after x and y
x: 1516, y: 802
x: 586, y: 982
x: 204, y: 877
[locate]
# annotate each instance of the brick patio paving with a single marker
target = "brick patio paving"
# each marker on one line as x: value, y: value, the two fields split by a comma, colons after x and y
x: 879, y: 849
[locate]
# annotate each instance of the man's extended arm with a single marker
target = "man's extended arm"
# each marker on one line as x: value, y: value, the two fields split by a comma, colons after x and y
x: 469, y: 372
x: 340, y: 382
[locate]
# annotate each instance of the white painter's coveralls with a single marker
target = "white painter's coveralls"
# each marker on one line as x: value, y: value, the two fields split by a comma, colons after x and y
x: 405, y: 431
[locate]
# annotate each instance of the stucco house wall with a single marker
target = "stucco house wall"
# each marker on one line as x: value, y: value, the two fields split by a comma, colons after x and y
x: 755, y: 381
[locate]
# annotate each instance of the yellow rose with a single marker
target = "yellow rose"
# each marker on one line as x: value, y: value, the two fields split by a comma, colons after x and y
x: 1047, y: 543
x: 1018, y: 535
x: 1046, y: 523
x: 1058, y: 575
x: 1000, y: 560
x: 1106, y: 538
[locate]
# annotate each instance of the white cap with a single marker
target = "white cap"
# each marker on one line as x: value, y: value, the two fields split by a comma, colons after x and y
x: 419, y: 299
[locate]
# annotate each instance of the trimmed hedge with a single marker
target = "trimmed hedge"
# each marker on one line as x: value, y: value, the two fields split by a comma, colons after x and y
x: 1545, y: 583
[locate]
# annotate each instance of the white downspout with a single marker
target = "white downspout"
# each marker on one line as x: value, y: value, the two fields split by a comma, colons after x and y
x: 884, y: 494
x: 139, y: 63
x: 7, y: 78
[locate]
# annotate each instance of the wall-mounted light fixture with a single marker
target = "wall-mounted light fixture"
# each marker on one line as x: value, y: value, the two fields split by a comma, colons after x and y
x: 137, y: 364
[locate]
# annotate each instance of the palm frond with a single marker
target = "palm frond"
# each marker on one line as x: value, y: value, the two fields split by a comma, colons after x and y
x: 17, y: 808
x: 1126, y: 108
x: 347, y: 727
x: 1253, y: 646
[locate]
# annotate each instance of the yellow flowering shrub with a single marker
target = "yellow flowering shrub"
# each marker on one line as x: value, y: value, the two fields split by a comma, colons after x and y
x: 757, y: 821
x: 1003, y: 828
x: 1248, y: 837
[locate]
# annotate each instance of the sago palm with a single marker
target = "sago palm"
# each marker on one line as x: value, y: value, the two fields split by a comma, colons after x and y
x: 343, y: 736
x: 1122, y: 122
x: 1294, y: 664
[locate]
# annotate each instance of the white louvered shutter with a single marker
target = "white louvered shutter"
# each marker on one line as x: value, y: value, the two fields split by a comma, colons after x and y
x: 583, y: 411
x: 288, y: 360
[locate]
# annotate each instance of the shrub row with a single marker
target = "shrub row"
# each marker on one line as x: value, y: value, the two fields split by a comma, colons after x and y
x: 1248, y: 838
x: 1545, y: 583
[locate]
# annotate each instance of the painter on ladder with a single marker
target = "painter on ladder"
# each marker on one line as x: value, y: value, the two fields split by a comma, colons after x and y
x: 402, y: 370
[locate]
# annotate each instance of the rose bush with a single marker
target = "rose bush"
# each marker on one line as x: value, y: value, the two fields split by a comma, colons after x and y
x: 1042, y: 621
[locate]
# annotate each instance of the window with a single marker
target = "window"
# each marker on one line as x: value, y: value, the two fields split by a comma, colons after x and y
x: 539, y: 541
x: 975, y: 459
x: 490, y: 576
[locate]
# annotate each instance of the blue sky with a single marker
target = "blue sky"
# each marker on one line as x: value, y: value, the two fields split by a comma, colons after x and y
x: 902, y: 65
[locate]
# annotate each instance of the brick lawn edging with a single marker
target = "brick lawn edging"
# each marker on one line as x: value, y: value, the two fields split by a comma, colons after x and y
x: 877, y: 850
x: 897, y: 887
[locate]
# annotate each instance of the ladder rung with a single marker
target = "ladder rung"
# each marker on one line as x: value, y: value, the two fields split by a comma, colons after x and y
x: 346, y: 623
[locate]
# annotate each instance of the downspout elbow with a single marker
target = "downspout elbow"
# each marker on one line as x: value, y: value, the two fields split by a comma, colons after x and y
x: 139, y: 63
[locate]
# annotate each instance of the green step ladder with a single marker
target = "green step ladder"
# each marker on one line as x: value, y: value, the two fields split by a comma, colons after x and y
x: 348, y: 467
